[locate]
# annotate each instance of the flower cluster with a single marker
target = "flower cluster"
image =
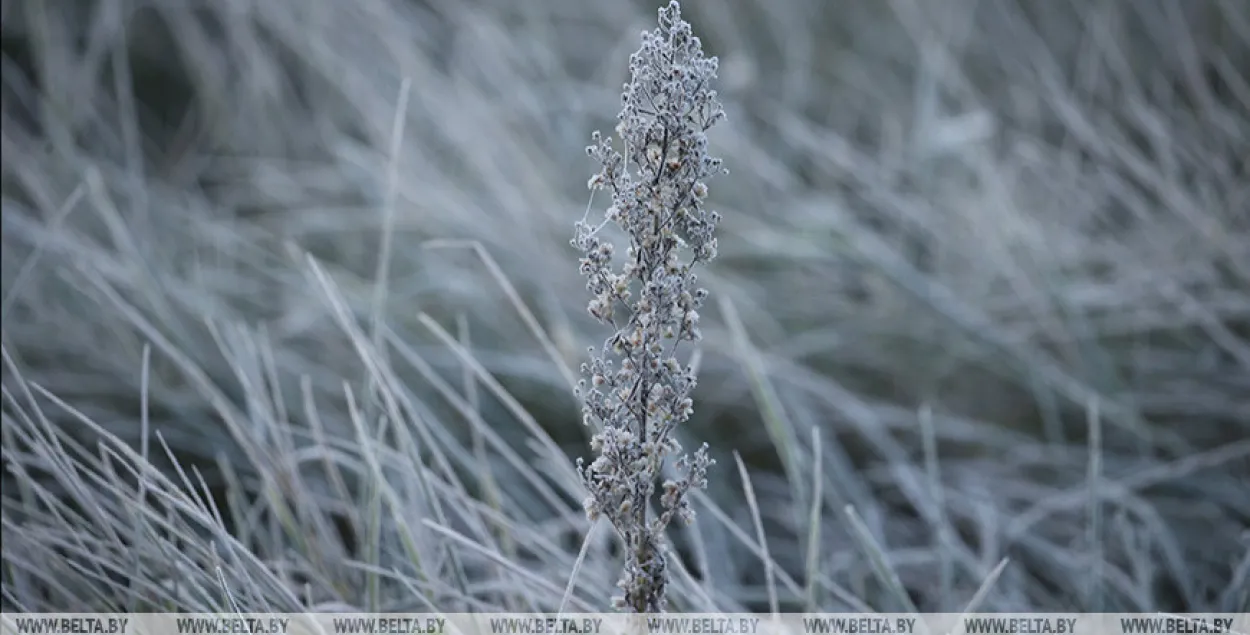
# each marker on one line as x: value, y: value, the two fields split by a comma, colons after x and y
x: 639, y: 390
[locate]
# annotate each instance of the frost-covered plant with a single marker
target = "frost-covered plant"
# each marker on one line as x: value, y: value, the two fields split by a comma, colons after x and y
x: 639, y: 391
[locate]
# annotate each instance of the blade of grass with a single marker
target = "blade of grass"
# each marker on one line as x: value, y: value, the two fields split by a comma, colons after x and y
x: 577, y: 567
x: 946, y: 569
x: 982, y: 592
x: 813, y: 524
x: 770, y: 578
x: 1093, y: 536
x: 776, y: 422
x: 879, y: 560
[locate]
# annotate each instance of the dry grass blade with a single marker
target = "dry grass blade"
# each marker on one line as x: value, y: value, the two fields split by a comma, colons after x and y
x: 814, y: 525
x: 577, y: 566
x: 879, y: 560
x: 978, y: 599
x: 770, y: 578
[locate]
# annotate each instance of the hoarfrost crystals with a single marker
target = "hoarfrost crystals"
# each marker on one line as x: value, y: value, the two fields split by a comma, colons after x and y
x: 638, y: 390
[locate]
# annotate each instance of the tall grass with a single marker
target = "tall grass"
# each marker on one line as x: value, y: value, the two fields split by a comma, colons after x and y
x: 289, y: 314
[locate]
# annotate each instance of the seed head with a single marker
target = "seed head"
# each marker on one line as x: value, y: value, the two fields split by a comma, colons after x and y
x: 658, y: 192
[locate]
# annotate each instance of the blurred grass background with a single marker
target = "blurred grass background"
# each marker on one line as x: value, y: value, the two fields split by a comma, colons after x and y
x: 984, y: 276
